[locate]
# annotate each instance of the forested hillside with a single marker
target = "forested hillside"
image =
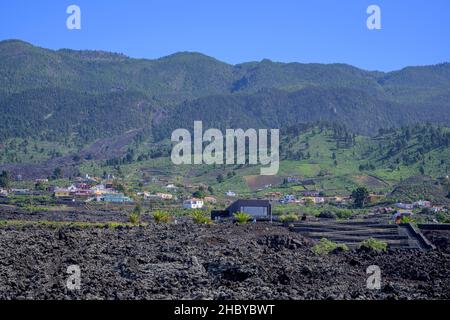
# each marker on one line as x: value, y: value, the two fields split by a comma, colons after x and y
x: 80, y: 96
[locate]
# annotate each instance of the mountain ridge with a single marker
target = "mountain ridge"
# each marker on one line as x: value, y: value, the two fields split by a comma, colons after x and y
x: 188, y: 86
x: 181, y: 53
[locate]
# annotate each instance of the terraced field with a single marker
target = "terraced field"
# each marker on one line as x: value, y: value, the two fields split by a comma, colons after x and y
x: 354, y: 232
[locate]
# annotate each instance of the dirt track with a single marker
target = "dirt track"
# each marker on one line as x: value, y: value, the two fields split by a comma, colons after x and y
x: 257, y: 261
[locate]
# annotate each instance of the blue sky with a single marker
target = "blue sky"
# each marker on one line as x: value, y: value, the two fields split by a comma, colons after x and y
x: 414, y: 32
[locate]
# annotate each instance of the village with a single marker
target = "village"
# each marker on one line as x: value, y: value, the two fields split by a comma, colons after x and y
x: 173, y: 197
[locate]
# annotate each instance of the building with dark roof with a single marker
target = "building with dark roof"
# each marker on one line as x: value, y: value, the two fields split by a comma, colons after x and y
x: 258, y: 209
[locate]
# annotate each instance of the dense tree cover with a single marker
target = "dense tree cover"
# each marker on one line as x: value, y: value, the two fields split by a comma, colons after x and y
x: 360, y: 197
x: 200, y: 194
x: 422, y: 187
x: 423, y: 147
x: 76, y: 97
x: 57, y: 173
x: 272, y: 108
x: 5, y: 180
x: 64, y: 116
x: 411, y: 144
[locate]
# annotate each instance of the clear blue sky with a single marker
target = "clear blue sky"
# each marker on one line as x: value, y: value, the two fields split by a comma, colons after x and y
x: 414, y: 32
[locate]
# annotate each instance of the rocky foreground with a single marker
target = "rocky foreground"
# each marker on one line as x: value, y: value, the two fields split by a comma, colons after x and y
x: 224, y: 261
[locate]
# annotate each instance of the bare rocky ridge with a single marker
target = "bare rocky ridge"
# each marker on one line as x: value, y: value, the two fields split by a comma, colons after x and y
x: 223, y: 261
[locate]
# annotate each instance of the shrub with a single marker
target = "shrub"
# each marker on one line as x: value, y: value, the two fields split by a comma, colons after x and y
x: 327, y: 214
x: 325, y: 246
x: 407, y: 219
x: 344, y: 213
x: 199, y: 194
x: 290, y: 217
x: 242, y: 217
x: 162, y: 216
x: 374, y: 244
x: 442, y: 217
x: 201, y: 217
x: 137, y: 209
x: 134, y: 217
x: 360, y: 197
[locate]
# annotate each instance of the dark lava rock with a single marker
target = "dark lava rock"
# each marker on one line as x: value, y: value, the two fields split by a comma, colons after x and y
x: 221, y: 261
x: 278, y: 241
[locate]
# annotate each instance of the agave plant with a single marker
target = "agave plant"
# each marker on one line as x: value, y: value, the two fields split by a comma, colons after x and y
x: 162, y: 216
x: 242, y: 217
x: 201, y: 217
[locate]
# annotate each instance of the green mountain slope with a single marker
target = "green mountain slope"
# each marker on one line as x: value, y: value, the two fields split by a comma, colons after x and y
x: 272, y: 108
x: 90, y: 94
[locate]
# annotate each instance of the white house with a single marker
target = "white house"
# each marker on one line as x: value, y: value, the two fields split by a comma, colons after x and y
x: 164, y: 196
x: 230, y: 194
x: 422, y: 203
x: 406, y: 206
x: 72, y: 188
x: 99, y: 189
x: 21, y: 191
x: 193, y: 204
x: 289, y: 198
x: 171, y: 187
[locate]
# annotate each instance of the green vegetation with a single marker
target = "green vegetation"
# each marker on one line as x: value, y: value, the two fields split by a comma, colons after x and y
x: 201, y: 217
x: 135, y: 215
x: 315, y: 210
x: 134, y: 218
x: 161, y: 216
x: 407, y: 219
x: 242, y: 217
x: 325, y: 246
x: 374, y: 244
x: 5, y: 181
x: 315, y: 172
x: 421, y: 187
x: 62, y: 224
x: 31, y: 201
x: 107, y: 88
x: 361, y: 197
x: 290, y: 217
x: 443, y: 217
x: 343, y: 129
x: 200, y: 194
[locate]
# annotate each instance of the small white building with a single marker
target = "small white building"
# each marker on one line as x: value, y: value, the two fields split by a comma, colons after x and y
x: 289, y: 198
x: 157, y: 196
x: 193, y: 204
x: 21, y: 191
x: 164, y: 196
x: 406, y: 206
x: 210, y: 200
x: 319, y: 200
x: 99, y: 189
x: 72, y: 188
x: 230, y: 194
x: 422, y: 203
